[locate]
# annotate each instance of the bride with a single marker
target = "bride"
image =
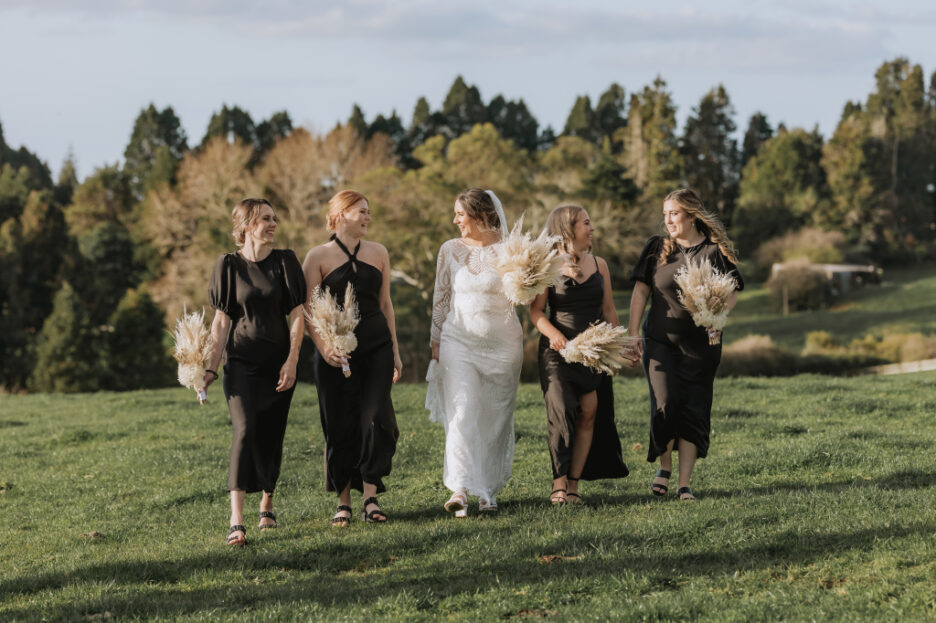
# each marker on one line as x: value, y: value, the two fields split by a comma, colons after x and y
x: 477, y: 351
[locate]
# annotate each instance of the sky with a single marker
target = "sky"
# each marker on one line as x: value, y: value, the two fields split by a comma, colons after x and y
x: 74, y: 74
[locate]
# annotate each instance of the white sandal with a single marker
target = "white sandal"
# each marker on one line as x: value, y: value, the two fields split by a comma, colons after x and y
x: 488, y: 506
x: 458, y: 502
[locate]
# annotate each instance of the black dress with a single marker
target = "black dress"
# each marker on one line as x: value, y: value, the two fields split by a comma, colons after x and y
x: 678, y: 360
x: 573, y: 306
x: 257, y: 296
x: 357, y: 413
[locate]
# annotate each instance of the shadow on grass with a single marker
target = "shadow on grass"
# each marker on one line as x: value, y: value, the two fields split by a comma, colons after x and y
x: 343, y: 578
x: 905, y: 479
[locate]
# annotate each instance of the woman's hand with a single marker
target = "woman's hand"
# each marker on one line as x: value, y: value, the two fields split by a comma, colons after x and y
x: 435, y: 350
x: 287, y: 376
x: 397, y: 368
x: 558, y: 341
x: 635, y: 352
x: 210, y: 377
x: 333, y: 357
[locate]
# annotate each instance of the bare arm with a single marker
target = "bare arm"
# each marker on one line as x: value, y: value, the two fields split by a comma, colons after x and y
x: 220, y: 326
x: 386, y: 306
x: 287, y: 376
x: 637, y: 305
x: 557, y: 341
x: 608, y: 311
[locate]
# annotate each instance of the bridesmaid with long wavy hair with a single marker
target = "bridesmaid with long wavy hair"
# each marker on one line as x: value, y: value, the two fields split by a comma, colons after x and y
x: 679, y: 362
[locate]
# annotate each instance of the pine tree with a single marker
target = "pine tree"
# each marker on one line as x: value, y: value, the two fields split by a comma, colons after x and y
x: 463, y: 108
x: 581, y: 120
x: 137, y: 354
x: 156, y: 146
x: 710, y: 154
x: 651, y: 149
x: 758, y: 131
x: 68, y: 351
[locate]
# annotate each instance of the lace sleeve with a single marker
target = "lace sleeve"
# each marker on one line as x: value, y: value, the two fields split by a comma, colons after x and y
x: 442, y: 293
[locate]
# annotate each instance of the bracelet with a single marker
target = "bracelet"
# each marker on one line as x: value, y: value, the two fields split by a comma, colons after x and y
x: 213, y: 372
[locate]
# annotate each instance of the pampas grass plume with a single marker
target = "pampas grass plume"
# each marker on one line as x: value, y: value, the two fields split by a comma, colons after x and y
x: 600, y: 347
x: 192, y: 350
x: 528, y: 265
x: 704, y: 292
x: 333, y: 323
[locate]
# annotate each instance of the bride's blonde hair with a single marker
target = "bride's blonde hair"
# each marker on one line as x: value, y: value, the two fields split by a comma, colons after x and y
x: 561, y: 222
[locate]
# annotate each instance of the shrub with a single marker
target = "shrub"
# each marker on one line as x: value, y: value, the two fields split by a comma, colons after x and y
x: 756, y: 355
x: 815, y: 245
x: 807, y: 286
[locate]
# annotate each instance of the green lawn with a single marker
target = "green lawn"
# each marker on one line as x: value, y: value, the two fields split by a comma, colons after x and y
x: 816, y: 503
x: 905, y: 302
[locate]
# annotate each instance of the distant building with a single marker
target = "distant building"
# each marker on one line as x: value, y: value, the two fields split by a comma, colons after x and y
x: 843, y: 277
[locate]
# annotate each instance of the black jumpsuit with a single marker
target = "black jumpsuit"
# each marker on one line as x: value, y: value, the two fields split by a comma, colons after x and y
x: 257, y: 296
x: 356, y: 412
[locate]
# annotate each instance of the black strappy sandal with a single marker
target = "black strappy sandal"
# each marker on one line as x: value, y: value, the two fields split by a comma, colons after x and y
x: 685, y: 491
x: 555, y: 500
x: 658, y: 489
x: 578, y: 501
x: 342, y: 522
x: 237, y: 541
x: 267, y: 515
x: 372, y: 516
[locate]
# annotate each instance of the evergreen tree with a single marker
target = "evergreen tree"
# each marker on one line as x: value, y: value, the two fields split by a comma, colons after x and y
x: 156, y: 146
x: 758, y: 131
x: 357, y: 122
x: 783, y: 188
x: 462, y: 108
x: 581, y: 120
x: 104, y: 196
x: 607, y: 180
x: 14, y: 313
x: 105, y: 269
x: 277, y: 127
x: 651, y: 149
x: 710, y: 154
x: 610, y: 115
x: 232, y: 124
x: 514, y: 121
x: 68, y: 350
x: 137, y: 355
x: 38, y: 173
x: 67, y: 181
x: 45, y: 241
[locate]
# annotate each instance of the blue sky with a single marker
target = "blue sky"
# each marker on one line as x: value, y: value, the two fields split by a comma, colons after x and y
x: 74, y: 79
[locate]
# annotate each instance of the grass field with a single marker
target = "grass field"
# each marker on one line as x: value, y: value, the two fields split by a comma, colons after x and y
x: 816, y: 503
x: 905, y: 302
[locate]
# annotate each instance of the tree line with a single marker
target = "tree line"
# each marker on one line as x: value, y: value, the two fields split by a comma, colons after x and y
x: 93, y: 270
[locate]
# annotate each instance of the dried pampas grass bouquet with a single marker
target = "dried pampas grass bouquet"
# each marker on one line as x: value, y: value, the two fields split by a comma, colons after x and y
x: 704, y: 292
x: 601, y: 347
x: 192, y: 351
x: 528, y: 265
x: 333, y: 323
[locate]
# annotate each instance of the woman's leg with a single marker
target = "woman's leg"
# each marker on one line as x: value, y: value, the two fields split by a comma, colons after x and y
x: 344, y: 499
x: 584, y: 429
x: 687, y: 459
x: 266, y: 506
x: 237, y: 516
x: 666, y: 465
x: 370, y: 491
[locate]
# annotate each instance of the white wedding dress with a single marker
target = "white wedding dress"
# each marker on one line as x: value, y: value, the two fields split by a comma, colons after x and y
x: 473, y: 385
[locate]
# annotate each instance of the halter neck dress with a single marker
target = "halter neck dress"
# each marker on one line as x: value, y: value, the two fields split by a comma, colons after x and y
x: 679, y: 362
x: 573, y: 306
x: 357, y: 413
x: 257, y: 296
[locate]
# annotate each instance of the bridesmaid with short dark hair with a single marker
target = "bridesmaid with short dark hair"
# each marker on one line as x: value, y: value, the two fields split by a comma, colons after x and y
x: 258, y: 293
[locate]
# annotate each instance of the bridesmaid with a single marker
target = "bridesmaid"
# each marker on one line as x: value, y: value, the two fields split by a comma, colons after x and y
x: 356, y: 412
x: 254, y: 290
x: 583, y: 440
x: 679, y: 362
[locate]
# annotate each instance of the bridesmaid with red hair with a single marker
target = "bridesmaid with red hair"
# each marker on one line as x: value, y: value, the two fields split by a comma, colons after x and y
x: 356, y: 411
